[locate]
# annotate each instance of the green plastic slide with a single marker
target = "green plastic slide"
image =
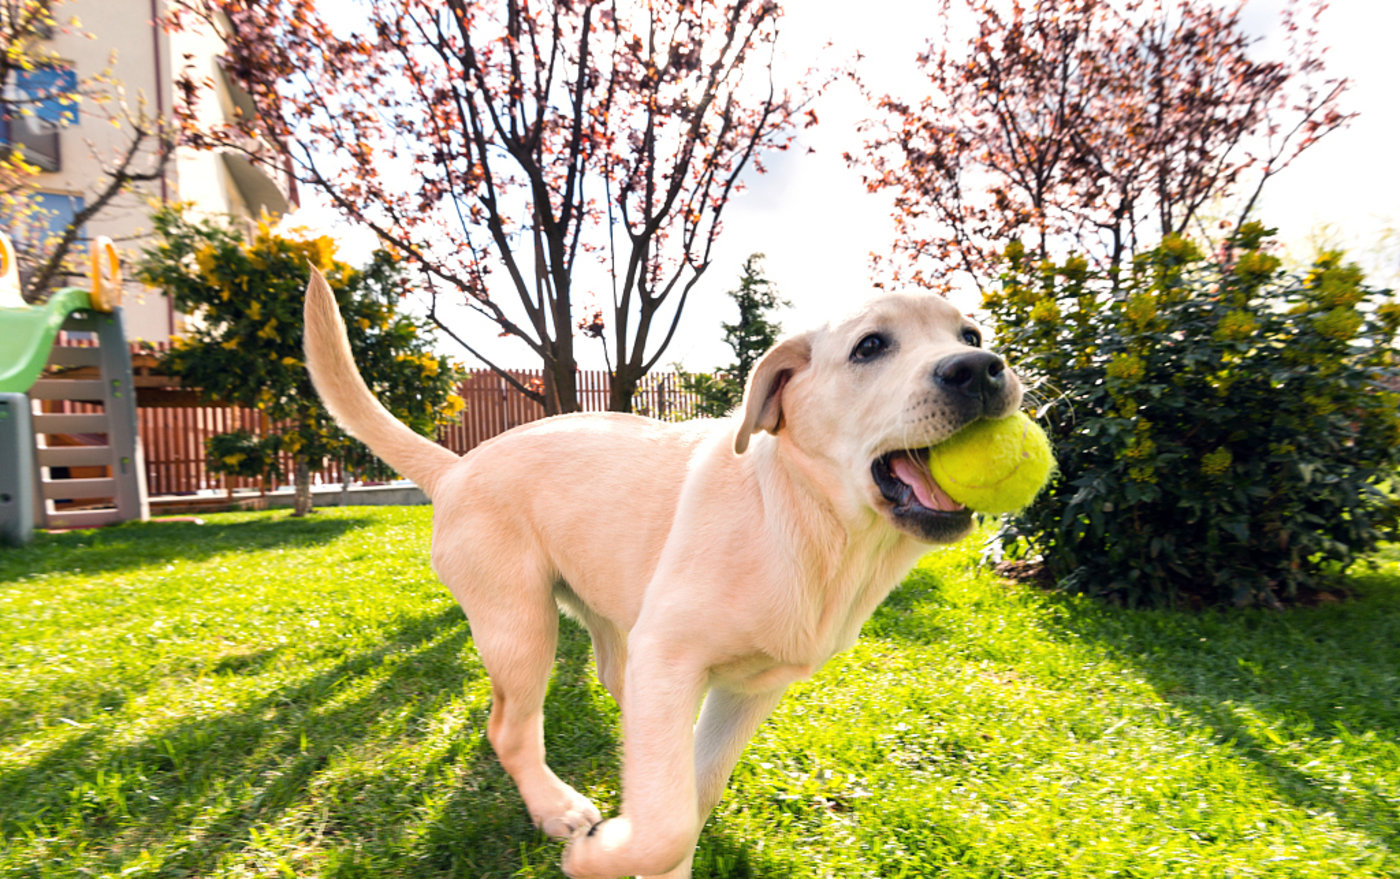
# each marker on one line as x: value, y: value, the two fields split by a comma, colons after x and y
x: 28, y: 332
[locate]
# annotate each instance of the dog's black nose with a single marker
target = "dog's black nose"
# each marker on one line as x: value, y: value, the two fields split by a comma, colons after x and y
x: 974, y: 373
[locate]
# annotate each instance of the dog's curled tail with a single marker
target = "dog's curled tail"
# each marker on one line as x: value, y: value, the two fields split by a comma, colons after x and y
x: 349, y: 400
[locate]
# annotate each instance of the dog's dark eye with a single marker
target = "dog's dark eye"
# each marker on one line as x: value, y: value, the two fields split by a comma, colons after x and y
x: 972, y: 337
x: 870, y: 347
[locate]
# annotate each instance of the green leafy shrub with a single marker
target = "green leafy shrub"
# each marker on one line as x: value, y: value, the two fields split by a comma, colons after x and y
x: 240, y: 453
x: 244, y: 346
x: 1224, y: 430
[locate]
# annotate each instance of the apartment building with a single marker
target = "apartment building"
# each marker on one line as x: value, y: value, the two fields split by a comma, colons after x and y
x: 73, y: 144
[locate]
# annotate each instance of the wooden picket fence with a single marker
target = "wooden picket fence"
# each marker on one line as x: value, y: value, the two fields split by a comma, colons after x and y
x: 174, y: 424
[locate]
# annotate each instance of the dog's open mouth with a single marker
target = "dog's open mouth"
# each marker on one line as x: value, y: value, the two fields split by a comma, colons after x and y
x: 917, y: 502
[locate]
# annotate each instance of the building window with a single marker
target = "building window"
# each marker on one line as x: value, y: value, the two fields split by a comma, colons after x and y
x: 39, y: 106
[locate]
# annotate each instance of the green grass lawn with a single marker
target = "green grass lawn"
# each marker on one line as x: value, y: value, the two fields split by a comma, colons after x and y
x: 261, y: 696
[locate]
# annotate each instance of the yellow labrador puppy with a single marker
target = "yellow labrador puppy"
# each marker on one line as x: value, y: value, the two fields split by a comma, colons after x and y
x: 713, y: 562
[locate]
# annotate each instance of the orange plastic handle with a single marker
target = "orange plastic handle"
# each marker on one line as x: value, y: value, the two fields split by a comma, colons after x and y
x: 106, y: 286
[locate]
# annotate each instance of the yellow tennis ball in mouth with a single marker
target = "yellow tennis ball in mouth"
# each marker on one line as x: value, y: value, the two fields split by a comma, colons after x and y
x: 994, y: 466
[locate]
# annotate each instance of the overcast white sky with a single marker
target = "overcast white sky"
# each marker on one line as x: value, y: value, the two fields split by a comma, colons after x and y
x: 817, y: 225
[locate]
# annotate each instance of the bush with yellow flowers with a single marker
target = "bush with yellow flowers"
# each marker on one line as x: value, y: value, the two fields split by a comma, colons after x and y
x: 1226, y: 432
x: 241, y: 453
x: 244, y: 344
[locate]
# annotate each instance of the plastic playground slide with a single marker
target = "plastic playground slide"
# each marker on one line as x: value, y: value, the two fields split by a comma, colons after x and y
x: 38, y: 485
x: 28, y: 332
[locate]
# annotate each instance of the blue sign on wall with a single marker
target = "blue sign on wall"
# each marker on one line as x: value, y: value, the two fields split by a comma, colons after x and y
x: 60, y: 210
x: 44, y: 86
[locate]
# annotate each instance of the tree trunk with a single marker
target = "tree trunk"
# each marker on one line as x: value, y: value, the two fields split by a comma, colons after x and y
x: 345, y: 477
x: 302, y: 504
x: 624, y: 385
x: 561, y: 387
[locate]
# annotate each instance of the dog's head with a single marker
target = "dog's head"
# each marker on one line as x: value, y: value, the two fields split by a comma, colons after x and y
x: 861, y: 402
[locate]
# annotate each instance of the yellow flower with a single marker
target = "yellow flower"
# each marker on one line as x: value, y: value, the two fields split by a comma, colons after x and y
x: 1126, y: 367
x: 1389, y: 315
x: 1141, y: 447
x: 229, y: 344
x: 1338, y: 288
x: 320, y: 251
x: 451, y: 409
x: 1340, y: 323
x: 1236, y: 326
x: 1180, y: 248
x: 1143, y: 474
x: 269, y: 330
x: 1076, y: 268
x: 1046, y: 311
x: 207, y: 259
x: 234, y: 459
x: 1140, y: 309
x: 290, y: 361
x: 255, y: 309
x: 1255, y: 265
x: 1218, y: 462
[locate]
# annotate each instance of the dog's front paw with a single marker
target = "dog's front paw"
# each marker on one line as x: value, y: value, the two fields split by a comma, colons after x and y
x: 568, y: 813
x: 596, y: 852
x: 617, y: 847
x: 571, y: 821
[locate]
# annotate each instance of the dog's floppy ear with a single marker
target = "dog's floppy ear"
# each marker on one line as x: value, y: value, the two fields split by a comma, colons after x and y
x: 763, y: 397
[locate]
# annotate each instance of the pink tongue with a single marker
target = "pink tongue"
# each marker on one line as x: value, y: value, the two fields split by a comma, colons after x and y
x: 917, y: 477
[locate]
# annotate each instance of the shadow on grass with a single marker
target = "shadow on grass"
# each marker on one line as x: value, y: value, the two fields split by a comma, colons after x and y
x: 368, y: 771
x: 1325, y: 674
x: 130, y: 796
x: 139, y: 544
x: 722, y: 856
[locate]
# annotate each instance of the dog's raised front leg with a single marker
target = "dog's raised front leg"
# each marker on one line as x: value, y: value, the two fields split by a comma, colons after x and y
x: 657, y: 826
x: 728, y: 721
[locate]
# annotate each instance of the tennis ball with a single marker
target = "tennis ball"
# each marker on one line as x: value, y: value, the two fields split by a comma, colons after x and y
x: 994, y: 466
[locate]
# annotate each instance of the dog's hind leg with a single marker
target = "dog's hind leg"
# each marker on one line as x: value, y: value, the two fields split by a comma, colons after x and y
x: 610, y: 655
x: 515, y: 625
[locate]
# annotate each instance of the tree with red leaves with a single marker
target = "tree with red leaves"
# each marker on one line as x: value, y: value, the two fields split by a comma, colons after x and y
x: 1098, y: 126
x: 520, y: 135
